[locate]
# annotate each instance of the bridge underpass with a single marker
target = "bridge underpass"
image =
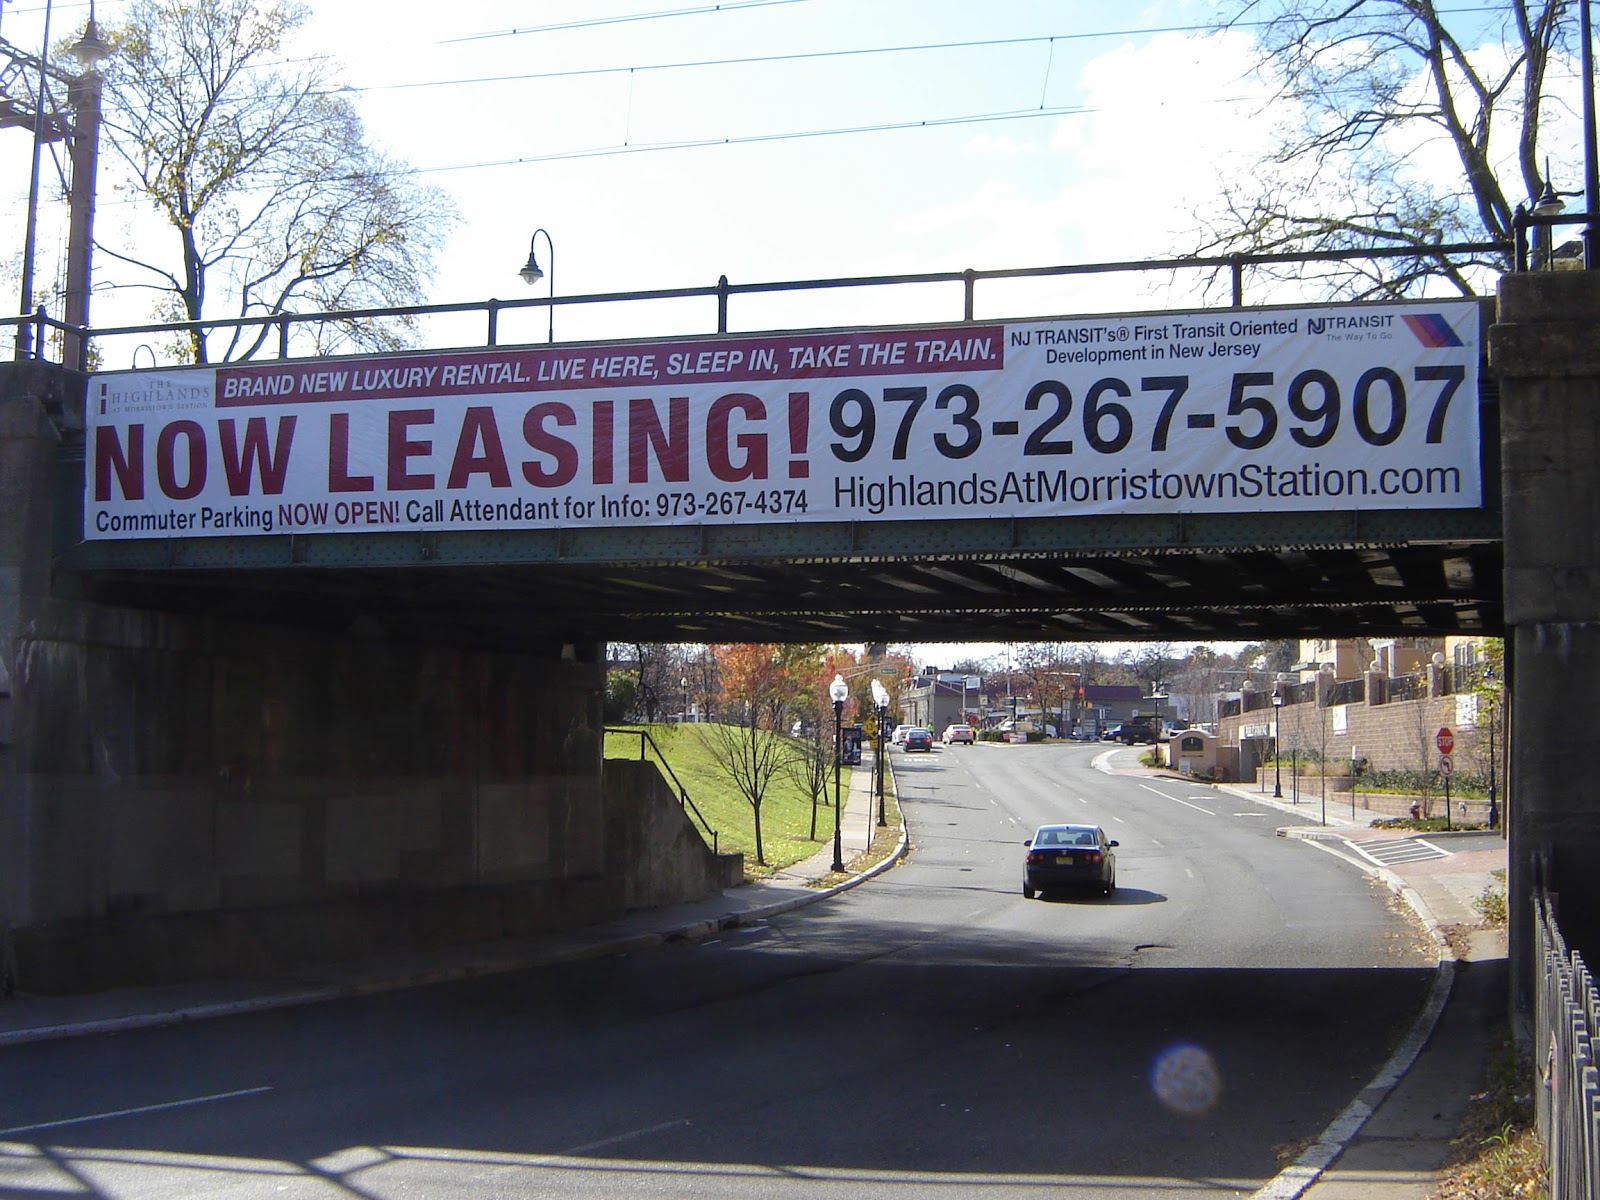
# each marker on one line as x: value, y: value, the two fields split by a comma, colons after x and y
x: 1190, y: 578
x: 487, y: 634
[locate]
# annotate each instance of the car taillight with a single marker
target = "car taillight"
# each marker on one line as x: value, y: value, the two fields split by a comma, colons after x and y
x: 1037, y: 856
x: 1093, y: 856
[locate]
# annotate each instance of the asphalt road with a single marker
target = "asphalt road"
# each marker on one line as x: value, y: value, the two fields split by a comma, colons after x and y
x: 929, y: 1034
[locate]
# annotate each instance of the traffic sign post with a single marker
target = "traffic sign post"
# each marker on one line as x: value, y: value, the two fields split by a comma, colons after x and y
x: 1446, y: 741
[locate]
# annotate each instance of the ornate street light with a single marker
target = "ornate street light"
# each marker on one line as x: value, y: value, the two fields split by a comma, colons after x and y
x: 880, y: 700
x: 838, y: 691
x: 531, y: 272
x: 1277, y: 759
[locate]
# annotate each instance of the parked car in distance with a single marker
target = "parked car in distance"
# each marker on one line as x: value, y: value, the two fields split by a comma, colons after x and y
x: 898, y: 737
x: 1111, y: 733
x: 918, y: 739
x: 1075, y: 856
x: 1139, y: 729
x: 959, y: 733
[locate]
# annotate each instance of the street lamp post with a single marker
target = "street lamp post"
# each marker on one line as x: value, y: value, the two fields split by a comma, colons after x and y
x: 683, y: 682
x: 1277, y: 759
x: 837, y: 691
x: 880, y: 699
x: 85, y: 94
x: 531, y: 272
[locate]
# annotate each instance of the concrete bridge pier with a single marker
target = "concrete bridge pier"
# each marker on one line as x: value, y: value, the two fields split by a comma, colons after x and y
x: 192, y: 795
x: 1545, y: 348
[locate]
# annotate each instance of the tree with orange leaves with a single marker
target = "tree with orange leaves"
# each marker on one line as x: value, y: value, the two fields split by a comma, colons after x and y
x: 764, y: 689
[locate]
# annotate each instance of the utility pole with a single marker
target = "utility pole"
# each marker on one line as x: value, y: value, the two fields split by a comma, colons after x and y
x: 25, y: 80
x: 85, y: 92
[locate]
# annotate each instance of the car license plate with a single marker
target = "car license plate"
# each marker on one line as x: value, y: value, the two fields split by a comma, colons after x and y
x: 1065, y: 860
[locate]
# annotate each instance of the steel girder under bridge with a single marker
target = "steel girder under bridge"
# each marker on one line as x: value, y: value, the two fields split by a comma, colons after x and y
x: 1120, y: 578
x: 1178, y: 577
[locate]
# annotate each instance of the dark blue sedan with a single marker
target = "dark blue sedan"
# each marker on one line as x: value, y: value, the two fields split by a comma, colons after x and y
x: 1069, y: 856
x: 919, y: 739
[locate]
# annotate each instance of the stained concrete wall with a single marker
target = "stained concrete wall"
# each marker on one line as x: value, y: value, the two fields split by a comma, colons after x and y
x: 1545, y: 347
x: 170, y: 774
x: 188, y: 796
x: 655, y: 854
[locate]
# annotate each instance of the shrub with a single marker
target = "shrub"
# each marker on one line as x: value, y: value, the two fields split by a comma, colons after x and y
x: 1491, y: 902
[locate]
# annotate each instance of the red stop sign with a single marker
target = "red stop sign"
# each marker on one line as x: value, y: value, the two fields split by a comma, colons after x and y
x: 1445, y: 740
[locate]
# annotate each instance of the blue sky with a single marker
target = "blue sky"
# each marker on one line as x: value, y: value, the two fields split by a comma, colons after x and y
x: 1044, y: 131
x: 1004, y: 134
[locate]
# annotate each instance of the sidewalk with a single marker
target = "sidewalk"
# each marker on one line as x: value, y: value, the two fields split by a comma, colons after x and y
x: 1393, y: 1140
x: 31, y: 1018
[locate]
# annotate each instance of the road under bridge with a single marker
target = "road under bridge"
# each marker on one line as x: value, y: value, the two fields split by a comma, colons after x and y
x: 289, y: 723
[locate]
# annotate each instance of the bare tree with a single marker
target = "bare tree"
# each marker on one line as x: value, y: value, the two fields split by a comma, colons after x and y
x: 761, y: 683
x: 811, y: 766
x: 1195, y: 684
x: 261, y: 170
x: 1153, y: 665
x: 1374, y: 84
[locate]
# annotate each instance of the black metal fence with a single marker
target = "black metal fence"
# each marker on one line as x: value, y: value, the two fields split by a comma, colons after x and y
x: 287, y: 335
x: 1567, y: 1019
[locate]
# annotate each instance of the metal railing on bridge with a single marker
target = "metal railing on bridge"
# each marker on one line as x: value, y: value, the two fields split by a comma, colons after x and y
x: 1566, y: 1022
x: 645, y: 740
x: 274, y: 336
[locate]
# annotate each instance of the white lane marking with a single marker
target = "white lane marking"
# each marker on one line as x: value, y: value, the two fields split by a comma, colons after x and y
x: 133, y: 1112
x: 1250, y: 814
x: 590, y: 1147
x: 1155, y: 842
x: 1175, y: 800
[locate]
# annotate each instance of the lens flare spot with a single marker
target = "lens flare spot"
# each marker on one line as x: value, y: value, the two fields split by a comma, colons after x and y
x: 1185, y: 1078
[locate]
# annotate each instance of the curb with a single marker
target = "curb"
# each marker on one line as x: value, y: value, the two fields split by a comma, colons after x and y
x: 624, y: 944
x: 1298, y: 1176
x: 1301, y: 1174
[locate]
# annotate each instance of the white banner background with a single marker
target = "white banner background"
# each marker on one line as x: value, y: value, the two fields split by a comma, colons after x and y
x: 1318, y: 408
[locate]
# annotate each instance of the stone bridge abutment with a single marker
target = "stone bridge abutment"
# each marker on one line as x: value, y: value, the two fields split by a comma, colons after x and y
x: 1545, y: 348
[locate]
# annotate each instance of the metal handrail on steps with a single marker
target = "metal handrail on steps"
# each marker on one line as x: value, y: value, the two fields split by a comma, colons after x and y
x: 683, y: 793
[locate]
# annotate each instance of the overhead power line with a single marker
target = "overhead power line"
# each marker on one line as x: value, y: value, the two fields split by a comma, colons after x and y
x: 755, y: 59
x: 625, y: 19
x: 747, y: 139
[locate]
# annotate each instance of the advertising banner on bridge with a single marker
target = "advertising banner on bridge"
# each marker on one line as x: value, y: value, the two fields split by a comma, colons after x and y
x: 1317, y: 408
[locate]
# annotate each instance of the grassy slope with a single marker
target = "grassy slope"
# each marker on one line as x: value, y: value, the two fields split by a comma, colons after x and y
x: 785, y: 813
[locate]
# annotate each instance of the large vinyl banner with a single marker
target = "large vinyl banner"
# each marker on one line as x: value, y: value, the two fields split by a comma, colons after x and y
x: 1349, y: 407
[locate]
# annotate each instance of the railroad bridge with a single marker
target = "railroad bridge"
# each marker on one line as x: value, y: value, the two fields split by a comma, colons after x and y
x: 304, y: 655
